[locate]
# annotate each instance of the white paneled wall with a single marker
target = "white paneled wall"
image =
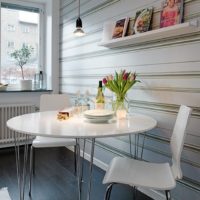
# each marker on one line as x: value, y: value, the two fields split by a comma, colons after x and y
x: 169, y: 71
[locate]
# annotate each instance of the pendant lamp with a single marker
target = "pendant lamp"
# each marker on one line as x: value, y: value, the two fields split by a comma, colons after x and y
x: 79, y: 31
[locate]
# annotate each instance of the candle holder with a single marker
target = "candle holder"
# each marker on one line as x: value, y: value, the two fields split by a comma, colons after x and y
x: 121, y: 113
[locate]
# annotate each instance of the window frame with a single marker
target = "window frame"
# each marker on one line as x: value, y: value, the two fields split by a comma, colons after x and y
x: 42, y: 30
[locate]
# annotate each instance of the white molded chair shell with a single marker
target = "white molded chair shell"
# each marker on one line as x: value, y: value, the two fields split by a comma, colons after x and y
x: 53, y: 102
x: 160, y: 176
x: 50, y: 102
x: 140, y: 173
x: 42, y: 142
x: 177, y: 139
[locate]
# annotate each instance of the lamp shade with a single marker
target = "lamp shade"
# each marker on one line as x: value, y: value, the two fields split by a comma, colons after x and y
x: 79, y: 23
x: 79, y: 31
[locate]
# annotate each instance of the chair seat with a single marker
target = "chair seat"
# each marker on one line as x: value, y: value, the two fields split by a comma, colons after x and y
x: 139, y: 173
x: 42, y: 142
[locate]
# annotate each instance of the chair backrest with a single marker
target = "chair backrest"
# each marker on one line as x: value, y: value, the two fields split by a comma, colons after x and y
x: 177, y: 140
x: 52, y: 102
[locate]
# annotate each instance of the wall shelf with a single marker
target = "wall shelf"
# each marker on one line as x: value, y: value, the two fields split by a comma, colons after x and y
x: 167, y: 32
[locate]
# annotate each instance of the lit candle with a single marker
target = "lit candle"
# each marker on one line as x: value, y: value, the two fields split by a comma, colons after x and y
x: 121, y: 114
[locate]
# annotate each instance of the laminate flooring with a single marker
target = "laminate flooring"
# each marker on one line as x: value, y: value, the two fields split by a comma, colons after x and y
x: 54, y: 178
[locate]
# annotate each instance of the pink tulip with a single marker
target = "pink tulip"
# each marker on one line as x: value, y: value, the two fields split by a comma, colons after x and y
x: 125, y: 76
x: 110, y: 77
x: 132, y: 77
x: 123, y: 72
x: 105, y: 81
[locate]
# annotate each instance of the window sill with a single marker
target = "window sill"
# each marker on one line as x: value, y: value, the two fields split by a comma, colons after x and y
x: 17, y: 90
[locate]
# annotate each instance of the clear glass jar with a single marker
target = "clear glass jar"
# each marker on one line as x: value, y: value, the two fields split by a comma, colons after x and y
x: 120, y: 106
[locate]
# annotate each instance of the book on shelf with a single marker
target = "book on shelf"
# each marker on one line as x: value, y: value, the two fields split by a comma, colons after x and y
x: 171, y: 13
x: 143, y: 20
x: 130, y: 28
x: 120, y: 28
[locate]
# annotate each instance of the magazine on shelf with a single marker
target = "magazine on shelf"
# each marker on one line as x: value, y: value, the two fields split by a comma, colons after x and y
x: 130, y: 28
x: 143, y: 20
x: 120, y: 28
x: 171, y: 13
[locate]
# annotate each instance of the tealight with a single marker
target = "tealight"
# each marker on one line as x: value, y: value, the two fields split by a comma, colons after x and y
x: 121, y: 114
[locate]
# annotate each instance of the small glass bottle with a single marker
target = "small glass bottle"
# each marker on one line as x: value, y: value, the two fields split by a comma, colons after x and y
x: 77, y: 103
x: 40, y: 80
x: 100, y: 100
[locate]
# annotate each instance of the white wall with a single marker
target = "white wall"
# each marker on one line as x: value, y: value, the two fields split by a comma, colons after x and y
x: 169, y: 71
x: 52, y: 44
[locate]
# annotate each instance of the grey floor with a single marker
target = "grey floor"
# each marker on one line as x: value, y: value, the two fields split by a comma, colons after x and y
x: 54, y: 178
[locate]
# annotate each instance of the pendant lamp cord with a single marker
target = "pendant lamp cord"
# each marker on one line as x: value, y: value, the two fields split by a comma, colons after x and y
x: 78, y: 8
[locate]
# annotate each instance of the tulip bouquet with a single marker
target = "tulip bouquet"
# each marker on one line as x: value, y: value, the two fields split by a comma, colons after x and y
x: 120, y: 83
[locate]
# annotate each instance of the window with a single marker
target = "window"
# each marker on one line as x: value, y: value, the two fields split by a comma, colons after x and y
x: 11, y: 44
x: 11, y: 27
x: 16, y: 17
x: 25, y: 44
x: 25, y: 29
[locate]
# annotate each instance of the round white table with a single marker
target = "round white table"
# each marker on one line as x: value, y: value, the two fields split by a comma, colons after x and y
x: 46, y: 124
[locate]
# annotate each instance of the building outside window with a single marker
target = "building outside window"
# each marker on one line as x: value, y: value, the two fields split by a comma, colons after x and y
x: 11, y: 44
x: 25, y: 29
x: 22, y: 19
x: 11, y: 27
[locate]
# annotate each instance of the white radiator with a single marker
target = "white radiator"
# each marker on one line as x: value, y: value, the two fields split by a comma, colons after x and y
x: 8, y: 111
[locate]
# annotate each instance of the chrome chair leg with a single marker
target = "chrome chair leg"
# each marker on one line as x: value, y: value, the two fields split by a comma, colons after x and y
x: 141, y: 156
x: 130, y: 146
x: 83, y: 158
x: 108, y: 191
x: 75, y: 159
x: 138, y: 142
x: 31, y: 168
x: 135, y: 192
x: 135, y: 146
x: 168, y: 195
x: 33, y: 158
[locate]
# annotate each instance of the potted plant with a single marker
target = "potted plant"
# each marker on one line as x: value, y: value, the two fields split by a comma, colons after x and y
x: 22, y: 56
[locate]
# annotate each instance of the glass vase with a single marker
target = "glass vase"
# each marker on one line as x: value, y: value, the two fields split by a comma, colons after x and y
x: 120, y: 106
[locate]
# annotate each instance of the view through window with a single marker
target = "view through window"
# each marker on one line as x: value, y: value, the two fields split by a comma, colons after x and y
x: 19, y: 31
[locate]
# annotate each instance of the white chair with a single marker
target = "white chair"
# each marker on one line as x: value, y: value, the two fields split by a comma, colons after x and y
x: 50, y: 102
x: 159, y: 176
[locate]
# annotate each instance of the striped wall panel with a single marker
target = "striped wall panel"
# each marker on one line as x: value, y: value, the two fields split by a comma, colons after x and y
x: 169, y: 71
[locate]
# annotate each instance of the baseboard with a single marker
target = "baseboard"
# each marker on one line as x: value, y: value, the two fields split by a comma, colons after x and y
x: 96, y: 161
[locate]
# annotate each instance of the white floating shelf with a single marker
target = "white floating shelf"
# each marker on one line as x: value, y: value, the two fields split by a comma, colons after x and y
x: 167, y: 32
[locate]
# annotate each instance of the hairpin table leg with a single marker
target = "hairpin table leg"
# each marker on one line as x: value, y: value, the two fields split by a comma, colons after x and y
x: 91, y: 168
x: 83, y: 158
x: 143, y: 146
x: 21, y: 170
x: 136, y: 146
x: 78, y: 167
x: 130, y: 143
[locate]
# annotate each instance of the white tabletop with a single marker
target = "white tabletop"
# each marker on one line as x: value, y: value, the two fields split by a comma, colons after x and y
x: 46, y: 124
